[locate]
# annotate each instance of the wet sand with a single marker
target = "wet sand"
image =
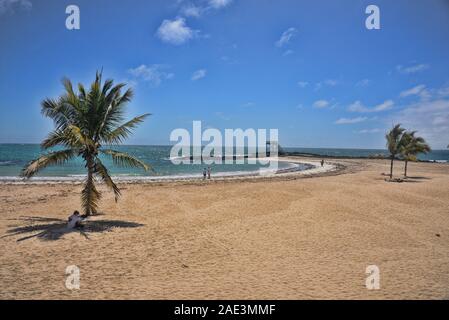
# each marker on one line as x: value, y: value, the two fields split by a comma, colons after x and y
x: 288, y: 237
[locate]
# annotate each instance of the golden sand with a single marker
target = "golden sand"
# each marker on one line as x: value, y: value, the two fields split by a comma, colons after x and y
x: 284, y: 238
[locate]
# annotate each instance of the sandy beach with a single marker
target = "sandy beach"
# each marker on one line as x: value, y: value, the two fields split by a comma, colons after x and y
x: 289, y: 237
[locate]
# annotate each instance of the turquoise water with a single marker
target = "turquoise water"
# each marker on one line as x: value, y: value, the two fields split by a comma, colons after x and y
x: 13, y: 157
x: 435, y: 155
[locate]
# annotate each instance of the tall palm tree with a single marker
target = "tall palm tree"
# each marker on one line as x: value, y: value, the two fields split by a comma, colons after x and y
x: 411, y: 146
x: 394, y: 144
x: 84, y: 122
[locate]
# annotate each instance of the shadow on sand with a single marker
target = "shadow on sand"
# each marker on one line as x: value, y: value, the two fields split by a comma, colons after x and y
x: 410, y: 179
x: 419, y: 178
x: 54, y: 229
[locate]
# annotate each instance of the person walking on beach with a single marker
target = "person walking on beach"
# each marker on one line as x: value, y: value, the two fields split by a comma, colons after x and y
x: 208, y: 172
x: 322, y: 162
x: 204, y: 174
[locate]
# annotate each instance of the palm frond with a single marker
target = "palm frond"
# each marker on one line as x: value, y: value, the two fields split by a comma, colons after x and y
x: 61, y: 113
x: 114, y: 109
x: 82, y: 91
x: 70, y: 137
x: 54, y: 138
x: 106, y: 86
x: 102, y: 171
x: 122, y: 132
x: 52, y: 158
x: 394, y: 137
x: 123, y: 159
x: 411, y: 145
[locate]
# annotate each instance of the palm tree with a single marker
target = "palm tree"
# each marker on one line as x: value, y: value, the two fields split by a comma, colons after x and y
x: 411, y: 146
x: 85, y: 122
x: 394, y: 144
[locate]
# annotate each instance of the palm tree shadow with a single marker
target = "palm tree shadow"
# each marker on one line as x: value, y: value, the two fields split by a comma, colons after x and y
x: 419, y: 178
x: 54, y: 229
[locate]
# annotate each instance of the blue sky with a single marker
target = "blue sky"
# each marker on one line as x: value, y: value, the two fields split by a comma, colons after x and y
x: 309, y: 68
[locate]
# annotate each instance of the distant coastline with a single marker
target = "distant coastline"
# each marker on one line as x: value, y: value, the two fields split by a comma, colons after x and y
x: 440, y: 156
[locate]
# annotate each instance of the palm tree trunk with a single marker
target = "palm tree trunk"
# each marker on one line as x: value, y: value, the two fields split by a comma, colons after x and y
x: 405, y: 168
x: 90, y: 181
x: 391, y: 167
x: 91, y: 194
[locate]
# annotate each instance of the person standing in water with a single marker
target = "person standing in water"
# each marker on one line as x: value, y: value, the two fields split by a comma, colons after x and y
x: 204, y: 174
x: 208, y: 172
x: 322, y: 162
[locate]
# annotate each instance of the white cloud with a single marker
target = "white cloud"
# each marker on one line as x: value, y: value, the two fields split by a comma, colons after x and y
x: 175, y: 31
x: 198, y: 74
x: 287, y: 53
x: 286, y: 36
x: 359, y: 107
x: 222, y: 116
x: 249, y: 104
x: 386, y: 105
x: 217, y: 4
x: 191, y: 10
x: 331, y: 82
x: 369, y: 131
x: 363, y: 83
x: 443, y: 92
x: 429, y: 118
x: 321, y: 104
x: 153, y: 74
x: 412, y: 69
x: 302, y: 84
x: 328, y: 82
x: 426, y: 93
x: 10, y: 6
x: 413, y: 91
x: 350, y: 120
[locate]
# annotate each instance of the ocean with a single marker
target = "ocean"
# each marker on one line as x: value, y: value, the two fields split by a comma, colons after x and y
x: 434, y: 155
x: 13, y: 157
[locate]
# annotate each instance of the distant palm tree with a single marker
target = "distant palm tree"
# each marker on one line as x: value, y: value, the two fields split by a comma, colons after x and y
x: 411, y: 146
x: 84, y: 122
x: 394, y: 144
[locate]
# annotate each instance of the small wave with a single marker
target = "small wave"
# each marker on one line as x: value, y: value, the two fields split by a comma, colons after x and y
x: 76, y: 178
x: 5, y: 163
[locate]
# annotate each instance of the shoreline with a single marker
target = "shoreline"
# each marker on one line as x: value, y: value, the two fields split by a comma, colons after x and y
x: 313, y: 168
x: 371, y: 157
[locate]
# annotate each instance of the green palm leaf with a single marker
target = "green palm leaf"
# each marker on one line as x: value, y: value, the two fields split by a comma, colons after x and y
x: 123, y: 159
x: 124, y: 131
x: 102, y: 171
x: 52, y: 158
x: 84, y: 120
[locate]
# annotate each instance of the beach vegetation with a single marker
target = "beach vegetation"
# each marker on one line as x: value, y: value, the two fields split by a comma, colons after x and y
x: 411, y: 146
x: 394, y: 140
x: 88, y: 123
